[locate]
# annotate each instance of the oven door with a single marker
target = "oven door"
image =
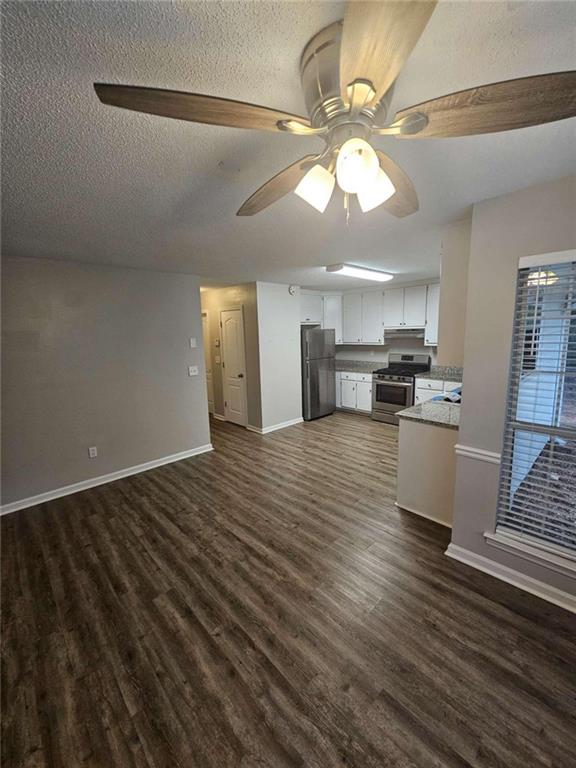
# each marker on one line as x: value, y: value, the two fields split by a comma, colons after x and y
x: 391, y: 396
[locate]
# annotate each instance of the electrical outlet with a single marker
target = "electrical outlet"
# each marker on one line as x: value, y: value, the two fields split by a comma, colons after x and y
x: 193, y: 343
x: 93, y: 452
x: 192, y: 370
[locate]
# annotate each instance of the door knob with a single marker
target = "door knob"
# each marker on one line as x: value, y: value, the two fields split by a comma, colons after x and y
x: 240, y: 375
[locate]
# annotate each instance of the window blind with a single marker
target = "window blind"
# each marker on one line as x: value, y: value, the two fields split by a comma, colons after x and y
x: 537, y: 497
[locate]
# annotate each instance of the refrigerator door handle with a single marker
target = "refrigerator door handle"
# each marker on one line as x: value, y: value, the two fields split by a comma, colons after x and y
x: 308, y: 370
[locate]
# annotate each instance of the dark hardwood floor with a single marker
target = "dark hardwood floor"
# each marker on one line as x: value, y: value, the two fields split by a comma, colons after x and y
x: 266, y: 605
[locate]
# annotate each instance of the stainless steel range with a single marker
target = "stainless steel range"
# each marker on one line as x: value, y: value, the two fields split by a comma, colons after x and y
x: 393, y: 387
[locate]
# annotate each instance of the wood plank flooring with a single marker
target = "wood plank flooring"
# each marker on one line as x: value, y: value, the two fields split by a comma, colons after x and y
x: 267, y: 606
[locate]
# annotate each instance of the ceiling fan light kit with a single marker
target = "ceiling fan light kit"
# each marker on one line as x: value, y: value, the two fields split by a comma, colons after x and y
x: 348, y: 72
x: 316, y: 187
x: 364, y: 273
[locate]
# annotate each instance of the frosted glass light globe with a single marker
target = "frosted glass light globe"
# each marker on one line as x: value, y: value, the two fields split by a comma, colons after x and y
x: 356, y: 166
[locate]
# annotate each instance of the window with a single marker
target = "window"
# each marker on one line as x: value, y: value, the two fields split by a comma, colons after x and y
x: 537, y: 499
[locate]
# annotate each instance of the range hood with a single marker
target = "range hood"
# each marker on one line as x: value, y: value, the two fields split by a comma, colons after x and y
x: 398, y: 333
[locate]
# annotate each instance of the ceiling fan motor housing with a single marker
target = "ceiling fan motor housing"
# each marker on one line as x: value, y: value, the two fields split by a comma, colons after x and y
x: 320, y: 75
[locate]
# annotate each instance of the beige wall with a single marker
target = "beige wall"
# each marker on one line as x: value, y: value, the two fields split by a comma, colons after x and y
x: 280, y: 359
x: 214, y: 300
x: 453, y: 292
x: 537, y: 220
x: 96, y: 356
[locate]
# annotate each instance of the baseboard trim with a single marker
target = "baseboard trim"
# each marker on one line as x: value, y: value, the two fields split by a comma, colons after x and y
x: 421, y: 514
x: 84, y: 485
x: 509, y: 575
x: 274, y: 427
x: 219, y: 417
x: 479, y: 454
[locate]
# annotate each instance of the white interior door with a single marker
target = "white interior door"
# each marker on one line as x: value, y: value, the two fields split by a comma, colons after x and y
x: 208, y: 361
x: 234, y: 366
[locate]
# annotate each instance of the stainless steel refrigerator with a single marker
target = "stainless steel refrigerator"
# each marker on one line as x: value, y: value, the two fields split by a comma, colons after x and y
x: 318, y: 373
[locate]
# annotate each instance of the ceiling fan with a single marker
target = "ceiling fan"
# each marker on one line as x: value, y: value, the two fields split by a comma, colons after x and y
x: 348, y: 71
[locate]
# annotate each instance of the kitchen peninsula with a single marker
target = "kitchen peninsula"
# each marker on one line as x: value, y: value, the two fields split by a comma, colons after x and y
x: 426, y: 459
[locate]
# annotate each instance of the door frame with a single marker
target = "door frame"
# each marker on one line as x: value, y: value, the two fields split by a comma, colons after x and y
x: 240, y: 309
x: 205, y: 317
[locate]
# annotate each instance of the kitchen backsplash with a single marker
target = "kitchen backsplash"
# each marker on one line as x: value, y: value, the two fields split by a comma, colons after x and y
x: 379, y: 354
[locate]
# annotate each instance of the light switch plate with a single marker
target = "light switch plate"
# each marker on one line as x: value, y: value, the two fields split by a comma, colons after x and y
x: 193, y: 342
x: 217, y: 359
x: 192, y: 370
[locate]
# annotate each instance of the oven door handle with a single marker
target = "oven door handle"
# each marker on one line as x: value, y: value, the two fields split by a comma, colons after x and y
x: 404, y: 384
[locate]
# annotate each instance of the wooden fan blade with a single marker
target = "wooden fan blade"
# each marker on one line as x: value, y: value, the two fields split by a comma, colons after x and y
x: 496, y: 107
x: 278, y: 186
x: 194, y: 107
x: 404, y: 201
x: 377, y: 38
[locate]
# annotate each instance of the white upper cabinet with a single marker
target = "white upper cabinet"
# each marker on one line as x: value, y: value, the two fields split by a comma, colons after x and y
x: 352, y: 318
x: 311, y: 308
x: 332, y: 315
x: 372, y: 330
x: 432, y: 309
x: 394, y: 307
x: 415, y: 306
x: 405, y: 307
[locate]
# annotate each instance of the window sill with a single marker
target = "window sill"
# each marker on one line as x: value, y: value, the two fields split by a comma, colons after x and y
x: 534, y: 552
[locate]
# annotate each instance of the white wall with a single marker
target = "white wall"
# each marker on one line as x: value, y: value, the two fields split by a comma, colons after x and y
x: 96, y: 356
x: 379, y: 353
x: 280, y: 359
x: 453, y: 292
x: 537, y: 220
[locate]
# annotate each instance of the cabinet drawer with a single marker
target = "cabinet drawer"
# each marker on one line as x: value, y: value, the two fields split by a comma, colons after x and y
x: 449, y: 386
x: 347, y: 376
x: 435, y: 384
x: 364, y: 377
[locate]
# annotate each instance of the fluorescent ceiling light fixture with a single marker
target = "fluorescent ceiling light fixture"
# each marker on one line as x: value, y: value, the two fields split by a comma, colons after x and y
x: 376, y: 192
x: 316, y: 187
x: 356, y: 166
x: 349, y: 270
x: 540, y: 277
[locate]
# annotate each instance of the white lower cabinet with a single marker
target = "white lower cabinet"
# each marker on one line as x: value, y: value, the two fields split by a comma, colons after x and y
x: 364, y: 396
x: 348, y: 394
x: 354, y: 391
x: 426, y: 389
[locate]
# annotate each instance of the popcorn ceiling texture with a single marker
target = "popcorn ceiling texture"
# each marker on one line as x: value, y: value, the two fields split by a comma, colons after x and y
x: 87, y: 182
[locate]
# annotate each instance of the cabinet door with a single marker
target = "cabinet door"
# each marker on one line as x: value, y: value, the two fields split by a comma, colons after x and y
x: 432, y: 308
x: 310, y: 308
x: 415, y: 306
x: 394, y: 308
x: 421, y: 395
x: 372, y: 329
x: 348, y: 393
x: 333, y: 315
x: 352, y: 318
x: 364, y: 395
x: 338, y: 391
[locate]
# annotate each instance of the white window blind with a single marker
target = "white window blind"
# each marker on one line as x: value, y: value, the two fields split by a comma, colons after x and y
x: 537, y: 498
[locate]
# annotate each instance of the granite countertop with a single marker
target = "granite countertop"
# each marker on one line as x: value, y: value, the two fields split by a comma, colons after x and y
x: 443, y: 373
x: 357, y: 366
x: 434, y: 412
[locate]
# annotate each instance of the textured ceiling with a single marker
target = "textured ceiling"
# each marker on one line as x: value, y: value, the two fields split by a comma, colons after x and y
x: 93, y: 183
